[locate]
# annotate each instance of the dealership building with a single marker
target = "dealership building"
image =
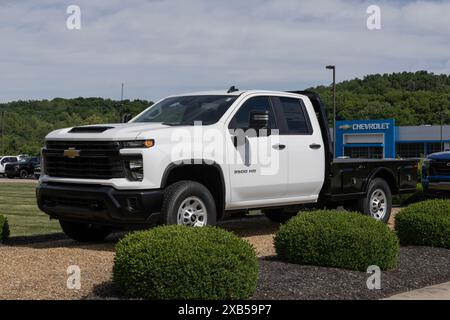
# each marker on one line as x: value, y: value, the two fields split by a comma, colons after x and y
x: 383, y: 139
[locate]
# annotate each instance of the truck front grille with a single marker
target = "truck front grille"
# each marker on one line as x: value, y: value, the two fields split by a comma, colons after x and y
x: 91, y: 159
x: 440, y: 168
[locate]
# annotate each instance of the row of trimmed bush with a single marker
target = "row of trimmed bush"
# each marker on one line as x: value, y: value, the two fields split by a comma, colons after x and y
x: 331, y: 238
x: 4, y: 229
x: 178, y: 262
x: 425, y: 223
x: 175, y: 262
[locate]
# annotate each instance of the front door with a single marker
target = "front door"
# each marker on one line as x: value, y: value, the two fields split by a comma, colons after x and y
x: 258, y: 168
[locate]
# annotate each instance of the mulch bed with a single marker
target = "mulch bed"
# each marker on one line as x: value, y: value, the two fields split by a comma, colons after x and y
x: 419, y: 267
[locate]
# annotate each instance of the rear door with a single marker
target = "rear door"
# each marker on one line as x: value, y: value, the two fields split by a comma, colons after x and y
x: 300, y: 134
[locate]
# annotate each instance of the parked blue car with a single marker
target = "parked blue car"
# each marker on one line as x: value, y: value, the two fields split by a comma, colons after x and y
x: 436, y: 173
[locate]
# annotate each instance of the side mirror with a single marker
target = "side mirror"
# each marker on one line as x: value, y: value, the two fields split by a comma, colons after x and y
x: 259, y: 120
x: 126, y: 117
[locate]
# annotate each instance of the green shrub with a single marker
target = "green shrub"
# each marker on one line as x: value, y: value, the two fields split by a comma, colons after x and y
x: 4, y: 228
x: 425, y: 223
x: 176, y: 262
x: 331, y: 238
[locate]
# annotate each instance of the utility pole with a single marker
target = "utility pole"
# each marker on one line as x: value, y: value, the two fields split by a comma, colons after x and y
x: 442, y: 128
x: 121, y: 104
x: 334, y: 108
x: 3, y: 132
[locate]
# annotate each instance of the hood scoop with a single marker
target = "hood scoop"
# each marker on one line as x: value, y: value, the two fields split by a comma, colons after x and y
x: 91, y: 129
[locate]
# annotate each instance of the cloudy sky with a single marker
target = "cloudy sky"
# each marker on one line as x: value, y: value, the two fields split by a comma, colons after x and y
x: 161, y: 47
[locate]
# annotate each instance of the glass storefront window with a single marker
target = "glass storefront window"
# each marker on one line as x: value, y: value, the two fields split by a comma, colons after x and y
x: 410, y: 150
x: 364, y: 152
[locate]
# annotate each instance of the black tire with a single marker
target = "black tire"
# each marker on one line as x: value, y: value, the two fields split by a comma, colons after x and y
x: 364, y: 205
x: 23, y: 174
x: 279, y: 215
x: 10, y: 176
x: 84, y: 232
x: 181, y: 191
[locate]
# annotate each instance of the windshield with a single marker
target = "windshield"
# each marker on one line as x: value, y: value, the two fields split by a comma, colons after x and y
x: 188, y: 109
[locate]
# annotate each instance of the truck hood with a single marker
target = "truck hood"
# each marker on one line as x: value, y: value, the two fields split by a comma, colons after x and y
x: 113, y: 131
x: 439, y: 156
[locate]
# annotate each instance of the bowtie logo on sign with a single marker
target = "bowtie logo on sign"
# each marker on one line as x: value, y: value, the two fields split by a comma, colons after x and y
x: 345, y: 127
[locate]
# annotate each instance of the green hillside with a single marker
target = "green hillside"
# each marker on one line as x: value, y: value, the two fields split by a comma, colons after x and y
x: 27, y: 122
x: 410, y: 98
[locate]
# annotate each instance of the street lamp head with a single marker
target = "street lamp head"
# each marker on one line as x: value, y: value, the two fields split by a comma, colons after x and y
x: 330, y: 67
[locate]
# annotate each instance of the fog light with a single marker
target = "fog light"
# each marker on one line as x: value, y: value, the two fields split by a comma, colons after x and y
x: 135, y: 170
x: 132, y: 204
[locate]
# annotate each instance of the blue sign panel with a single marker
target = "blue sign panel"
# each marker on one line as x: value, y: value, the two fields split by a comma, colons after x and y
x: 358, y: 133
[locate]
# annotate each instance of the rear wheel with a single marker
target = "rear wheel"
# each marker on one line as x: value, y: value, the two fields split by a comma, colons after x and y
x: 378, y: 201
x: 84, y: 232
x: 188, y: 203
x: 280, y: 215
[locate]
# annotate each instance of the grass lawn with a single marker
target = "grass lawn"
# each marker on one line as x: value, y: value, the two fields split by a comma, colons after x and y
x: 18, y: 204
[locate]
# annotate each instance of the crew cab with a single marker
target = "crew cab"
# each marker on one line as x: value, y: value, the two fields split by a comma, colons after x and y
x: 436, y: 173
x: 4, y: 160
x: 194, y: 159
x: 23, y: 168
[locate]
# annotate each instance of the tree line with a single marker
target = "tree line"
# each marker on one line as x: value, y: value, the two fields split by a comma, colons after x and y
x: 411, y: 98
x: 26, y: 123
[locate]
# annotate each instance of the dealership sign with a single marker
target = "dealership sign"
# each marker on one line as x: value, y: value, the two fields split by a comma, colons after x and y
x: 365, y: 130
x: 365, y: 126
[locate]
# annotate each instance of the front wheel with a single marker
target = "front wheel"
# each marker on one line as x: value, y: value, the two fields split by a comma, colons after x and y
x: 378, y: 201
x: 84, y: 232
x: 188, y: 203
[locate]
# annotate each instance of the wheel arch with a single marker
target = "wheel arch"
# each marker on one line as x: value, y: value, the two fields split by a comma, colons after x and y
x: 387, y: 175
x: 202, y: 171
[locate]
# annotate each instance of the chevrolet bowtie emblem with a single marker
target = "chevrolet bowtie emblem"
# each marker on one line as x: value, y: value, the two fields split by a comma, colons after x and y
x: 71, y: 153
x: 345, y: 127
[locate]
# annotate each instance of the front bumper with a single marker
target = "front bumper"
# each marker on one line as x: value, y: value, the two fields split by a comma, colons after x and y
x: 98, y: 204
x: 436, y: 183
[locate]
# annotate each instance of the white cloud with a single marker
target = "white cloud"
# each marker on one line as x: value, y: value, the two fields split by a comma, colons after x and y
x: 169, y: 46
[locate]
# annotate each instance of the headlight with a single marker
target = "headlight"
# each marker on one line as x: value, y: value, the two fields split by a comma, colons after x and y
x: 137, y: 144
x: 135, y: 169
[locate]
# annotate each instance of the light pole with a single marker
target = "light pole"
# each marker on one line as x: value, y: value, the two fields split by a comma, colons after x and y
x: 442, y: 129
x: 334, y: 108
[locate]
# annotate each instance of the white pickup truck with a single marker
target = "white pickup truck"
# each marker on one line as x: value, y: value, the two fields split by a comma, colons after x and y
x: 195, y: 158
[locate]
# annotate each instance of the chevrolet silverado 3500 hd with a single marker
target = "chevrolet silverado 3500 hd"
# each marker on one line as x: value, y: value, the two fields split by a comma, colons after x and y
x: 102, y: 177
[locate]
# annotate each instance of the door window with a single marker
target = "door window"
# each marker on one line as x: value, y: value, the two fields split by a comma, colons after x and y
x: 295, y: 116
x: 241, y: 119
